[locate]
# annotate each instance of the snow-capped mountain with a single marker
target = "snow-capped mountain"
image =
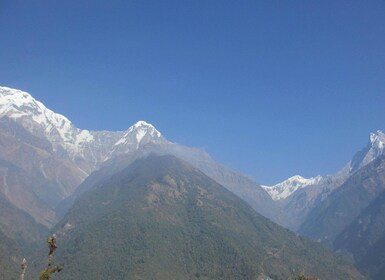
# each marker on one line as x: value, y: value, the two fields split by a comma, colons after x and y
x: 56, y: 157
x: 53, y: 154
x: 288, y: 187
x: 87, y: 149
x: 36, y: 118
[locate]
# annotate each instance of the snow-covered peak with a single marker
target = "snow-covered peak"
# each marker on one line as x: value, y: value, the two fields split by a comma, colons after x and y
x: 135, y: 137
x: 16, y: 103
x: 142, y: 128
x: 140, y: 133
x: 374, y: 149
x: 288, y: 187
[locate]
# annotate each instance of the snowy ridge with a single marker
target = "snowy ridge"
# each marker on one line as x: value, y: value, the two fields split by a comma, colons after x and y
x: 288, y: 187
x: 22, y: 107
x: 66, y: 139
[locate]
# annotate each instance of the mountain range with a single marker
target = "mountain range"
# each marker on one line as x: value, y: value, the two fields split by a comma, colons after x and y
x: 48, y: 165
x: 58, y: 156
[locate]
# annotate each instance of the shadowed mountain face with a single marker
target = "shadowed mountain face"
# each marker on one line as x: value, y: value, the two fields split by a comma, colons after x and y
x: 364, y: 239
x: 161, y: 218
x: 326, y: 221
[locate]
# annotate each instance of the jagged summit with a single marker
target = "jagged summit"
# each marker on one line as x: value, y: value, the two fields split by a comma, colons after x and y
x: 374, y: 149
x: 288, y: 187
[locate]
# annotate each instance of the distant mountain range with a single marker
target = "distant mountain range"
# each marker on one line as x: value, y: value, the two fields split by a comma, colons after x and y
x: 344, y: 211
x: 47, y: 165
x: 297, y: 196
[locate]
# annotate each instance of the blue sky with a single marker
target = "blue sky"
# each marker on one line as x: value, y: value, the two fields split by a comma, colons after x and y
x: 270, y: 88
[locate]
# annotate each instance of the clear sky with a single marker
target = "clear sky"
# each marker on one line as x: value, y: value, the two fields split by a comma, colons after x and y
x: 269, y: 88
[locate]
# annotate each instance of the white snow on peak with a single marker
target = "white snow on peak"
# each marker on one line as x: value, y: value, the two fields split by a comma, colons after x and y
x: 137, y: 133
x: 17, y: 104
x: 288, y: 187
x: 142, y: 128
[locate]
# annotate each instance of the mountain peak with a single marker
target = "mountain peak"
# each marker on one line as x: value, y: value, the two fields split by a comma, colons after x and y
x: 36, y: 118
x: 140, y: 133
x: 374, y: 149
x: 142, y: 127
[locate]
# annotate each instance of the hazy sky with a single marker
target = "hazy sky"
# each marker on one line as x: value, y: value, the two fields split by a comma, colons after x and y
x: 270, y: 88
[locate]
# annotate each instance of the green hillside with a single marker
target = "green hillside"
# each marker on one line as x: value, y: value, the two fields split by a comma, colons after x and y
x: 162, y: 219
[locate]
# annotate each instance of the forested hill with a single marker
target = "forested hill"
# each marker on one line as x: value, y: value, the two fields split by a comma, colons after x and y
x: 160, y: 218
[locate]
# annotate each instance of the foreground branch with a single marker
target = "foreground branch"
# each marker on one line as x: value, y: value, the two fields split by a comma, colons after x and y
x: 46, y: 274
x: 23, y: 268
